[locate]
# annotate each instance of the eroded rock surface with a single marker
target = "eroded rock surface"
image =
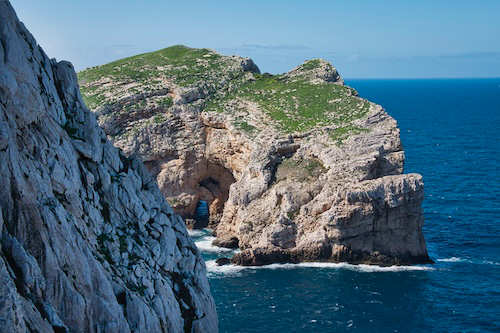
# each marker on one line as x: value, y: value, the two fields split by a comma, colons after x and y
x: 295, y: 167
x: 88, y: 243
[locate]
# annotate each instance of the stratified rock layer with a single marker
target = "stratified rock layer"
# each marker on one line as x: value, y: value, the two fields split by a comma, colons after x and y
x: 294, y: 167
x: 88, y: 243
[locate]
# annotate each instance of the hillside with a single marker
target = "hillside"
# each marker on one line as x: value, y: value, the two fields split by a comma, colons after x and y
x: 294, y: 102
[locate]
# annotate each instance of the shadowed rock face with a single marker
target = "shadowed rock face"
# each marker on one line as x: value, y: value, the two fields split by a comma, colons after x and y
x: 314, y: 172
x: 88, y: 243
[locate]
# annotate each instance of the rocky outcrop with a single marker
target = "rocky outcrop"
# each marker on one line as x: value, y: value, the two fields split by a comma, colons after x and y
x: 295, y: 167
x: 88, y: 243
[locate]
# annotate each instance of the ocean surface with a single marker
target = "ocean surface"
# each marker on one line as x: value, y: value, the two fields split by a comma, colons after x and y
x: 450, y: 131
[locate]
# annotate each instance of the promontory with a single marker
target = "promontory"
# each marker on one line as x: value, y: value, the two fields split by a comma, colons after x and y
x: 292, y: 167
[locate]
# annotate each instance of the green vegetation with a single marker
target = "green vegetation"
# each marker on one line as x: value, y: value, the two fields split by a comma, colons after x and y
x: 183, y: 64
x: 293, y: 103
x: 159, y: 118
x: 91, y: 97
x: 298, y: 105
x: 300, y: 169
x: 173, y: 201
x: 311, y: 64
x: 292, y: 214
x: 341, y: 133
x: 246, y: 127
x: 148, y: 72
x: 166, y: 102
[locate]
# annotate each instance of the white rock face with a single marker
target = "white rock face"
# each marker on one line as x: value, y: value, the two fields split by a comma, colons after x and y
x: 88, y: 243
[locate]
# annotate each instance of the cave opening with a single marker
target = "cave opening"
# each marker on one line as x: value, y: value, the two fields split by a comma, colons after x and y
x: 213, y: 192
x: 200, y: 194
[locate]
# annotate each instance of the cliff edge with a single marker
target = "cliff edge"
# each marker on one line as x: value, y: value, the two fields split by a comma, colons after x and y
x: 88, y: 243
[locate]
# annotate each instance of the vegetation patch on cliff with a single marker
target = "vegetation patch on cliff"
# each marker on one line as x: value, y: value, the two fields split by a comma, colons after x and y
x: 296, y: 105
x: 339, y: 134
x: 301, y: 169
x: 310, y: 64
x: 307, y: 98
x: 184, y: 65
x: 246, y: 127
x: 176, y: 65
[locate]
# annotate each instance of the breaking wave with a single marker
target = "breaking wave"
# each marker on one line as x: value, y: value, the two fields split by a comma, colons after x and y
x: 196, y: 233
x: 205, y: 245
x: 214, y: 270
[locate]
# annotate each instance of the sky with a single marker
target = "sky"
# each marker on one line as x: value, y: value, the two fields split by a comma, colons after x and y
x: 363, y: 39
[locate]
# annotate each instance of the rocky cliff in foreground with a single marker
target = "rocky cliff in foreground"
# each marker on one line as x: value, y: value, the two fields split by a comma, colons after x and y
x: 294, y: 167
x: 88, y: 243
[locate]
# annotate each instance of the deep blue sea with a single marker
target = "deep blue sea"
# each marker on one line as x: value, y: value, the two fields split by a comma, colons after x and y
x: 450, y: 132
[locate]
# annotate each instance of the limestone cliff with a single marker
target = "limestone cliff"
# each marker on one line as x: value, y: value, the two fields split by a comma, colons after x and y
x: 88, y: 243
x: 294, y: 167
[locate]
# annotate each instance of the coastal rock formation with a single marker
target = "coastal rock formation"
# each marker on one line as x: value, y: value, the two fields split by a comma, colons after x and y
x: 88, y: 243
x: 294, y: 167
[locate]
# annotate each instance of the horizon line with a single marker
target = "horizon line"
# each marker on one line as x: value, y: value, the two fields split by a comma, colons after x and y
x: 426, y: 78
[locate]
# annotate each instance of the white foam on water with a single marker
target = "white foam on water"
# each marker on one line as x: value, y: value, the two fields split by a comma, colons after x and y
x: 214, y: 270
x: 359, y: 268
x: 195, y: 233
x: 452, y: 259
x: 471, y: 261
x: 205, y: 245
x: 226, y: 270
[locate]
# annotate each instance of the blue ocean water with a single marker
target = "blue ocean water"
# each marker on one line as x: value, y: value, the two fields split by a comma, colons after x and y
x: 450, y: 132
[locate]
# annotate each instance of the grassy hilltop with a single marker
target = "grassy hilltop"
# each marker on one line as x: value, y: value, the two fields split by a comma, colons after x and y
x: 308, y: 97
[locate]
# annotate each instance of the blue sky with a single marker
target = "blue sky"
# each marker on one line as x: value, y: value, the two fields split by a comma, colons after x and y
x: 363, y: 39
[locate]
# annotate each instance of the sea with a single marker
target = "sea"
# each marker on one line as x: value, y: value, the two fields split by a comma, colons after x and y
x: 450, y: 129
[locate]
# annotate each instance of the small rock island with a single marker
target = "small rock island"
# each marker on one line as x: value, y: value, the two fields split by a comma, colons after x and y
x: 292, y: 167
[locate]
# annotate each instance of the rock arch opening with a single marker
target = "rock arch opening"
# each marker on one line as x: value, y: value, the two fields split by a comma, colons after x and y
x: 213, y: 192
x: 197, y: 190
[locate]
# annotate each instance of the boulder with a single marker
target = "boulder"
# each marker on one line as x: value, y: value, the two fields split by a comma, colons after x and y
x: 223, y: 261
x: 229, y: 242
